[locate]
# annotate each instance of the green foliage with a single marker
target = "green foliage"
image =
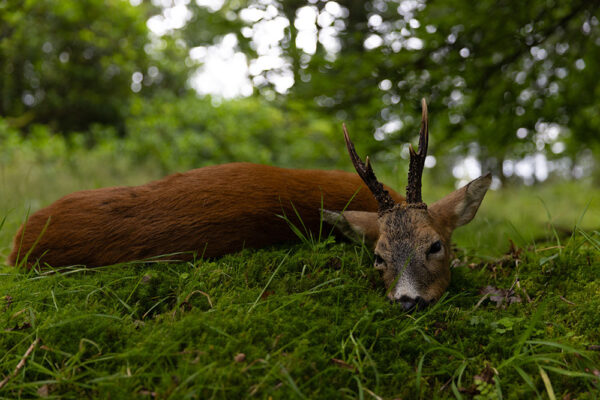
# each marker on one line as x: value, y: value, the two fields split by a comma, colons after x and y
x: 487, y: 70
x: 494, y: 67
x: 69, y: 64
x: 186, y: 132
x: 191, y: 131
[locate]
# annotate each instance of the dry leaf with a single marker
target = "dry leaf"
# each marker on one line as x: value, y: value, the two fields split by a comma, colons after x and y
x: 487, y: 375
x: 267, y: 293
x: 43, y: 391
x: 17, y: 327
x: 500, y: 296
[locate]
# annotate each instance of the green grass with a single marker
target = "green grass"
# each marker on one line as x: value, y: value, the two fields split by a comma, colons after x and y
x: 175, y: 329
x: 311, y: 320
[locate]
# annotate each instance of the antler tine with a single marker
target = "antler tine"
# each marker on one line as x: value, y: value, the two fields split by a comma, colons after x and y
x: 417, y: 160
x: 365, y: 171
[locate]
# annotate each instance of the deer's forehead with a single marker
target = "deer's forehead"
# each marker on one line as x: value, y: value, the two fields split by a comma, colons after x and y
x: 405, y: 226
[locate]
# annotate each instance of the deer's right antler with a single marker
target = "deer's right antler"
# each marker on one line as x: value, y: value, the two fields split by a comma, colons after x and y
x: 364, y: 170
x: 417, y: 161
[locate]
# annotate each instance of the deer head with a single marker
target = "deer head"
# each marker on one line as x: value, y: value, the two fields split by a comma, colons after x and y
x: 411, y: 240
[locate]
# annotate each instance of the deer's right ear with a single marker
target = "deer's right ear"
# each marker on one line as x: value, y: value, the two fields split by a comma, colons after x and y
x: 355, y: 225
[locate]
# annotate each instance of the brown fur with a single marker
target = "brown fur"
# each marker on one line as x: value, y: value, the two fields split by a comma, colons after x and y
x: 406, y: 236
x: 403, y: 236
x: 210, y: 211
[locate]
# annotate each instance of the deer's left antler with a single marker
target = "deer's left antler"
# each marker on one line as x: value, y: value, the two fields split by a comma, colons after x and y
x: 417, y: 161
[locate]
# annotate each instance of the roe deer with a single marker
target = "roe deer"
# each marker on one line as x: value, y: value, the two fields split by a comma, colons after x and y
x: 221, y: 209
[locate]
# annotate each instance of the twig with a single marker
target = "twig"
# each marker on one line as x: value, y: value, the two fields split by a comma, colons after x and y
x: 549, y: 248
x: 187, y: 299
x: 343, y: 364
x: 372, y: 394
x: 567, y: 301
x: 247, y: 367
x: 21, y: 363
x: 445, y: 385
x: 485, y: 296
x: 524, y: 292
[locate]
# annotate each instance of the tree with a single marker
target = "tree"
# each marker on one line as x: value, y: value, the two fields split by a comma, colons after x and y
x: 72, y: 63
x: 503, y: 78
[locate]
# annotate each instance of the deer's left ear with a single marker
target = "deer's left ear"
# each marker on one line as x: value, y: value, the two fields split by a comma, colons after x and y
x: 355, y: 225
x: 460, y: 206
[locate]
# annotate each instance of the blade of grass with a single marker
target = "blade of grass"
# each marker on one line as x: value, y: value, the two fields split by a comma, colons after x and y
x: 291, y: 382
x: 527, y: 333
x: 551, y: 224
x: 547, y: 384
x: 527, y: 379
x: 572, y: 374
x: 268, y: 282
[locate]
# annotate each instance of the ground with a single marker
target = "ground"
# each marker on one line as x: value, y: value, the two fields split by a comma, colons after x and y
x: 310, y: 320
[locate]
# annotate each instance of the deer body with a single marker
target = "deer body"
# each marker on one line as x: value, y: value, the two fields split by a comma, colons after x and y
x: 210, y: 211
x: 217, y: 210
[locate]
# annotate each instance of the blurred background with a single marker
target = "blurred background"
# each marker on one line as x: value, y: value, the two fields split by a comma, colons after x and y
x: 105, y: 92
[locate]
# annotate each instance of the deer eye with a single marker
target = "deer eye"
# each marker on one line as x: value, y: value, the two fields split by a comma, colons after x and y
x: 435, y: 247
x: 379, y: 260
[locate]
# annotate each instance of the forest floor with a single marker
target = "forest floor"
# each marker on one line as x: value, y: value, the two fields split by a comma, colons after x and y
x: 520, y: 319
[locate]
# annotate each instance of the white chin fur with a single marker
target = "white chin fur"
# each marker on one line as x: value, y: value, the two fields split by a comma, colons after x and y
x: 404, y: 287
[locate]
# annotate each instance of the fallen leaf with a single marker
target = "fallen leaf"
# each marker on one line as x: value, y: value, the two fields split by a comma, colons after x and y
x: 487, y: 375
x: 500, y: 296
x: 471, y: 390
x: 43, y: 391
x: 267, y: 293
x: 26, y: 325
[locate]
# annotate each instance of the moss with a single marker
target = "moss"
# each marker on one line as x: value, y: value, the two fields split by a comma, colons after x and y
x: 130, y: 330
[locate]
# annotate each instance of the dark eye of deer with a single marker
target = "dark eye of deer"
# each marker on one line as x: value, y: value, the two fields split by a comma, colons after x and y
x: 379, y: 260
x: 435, y: 247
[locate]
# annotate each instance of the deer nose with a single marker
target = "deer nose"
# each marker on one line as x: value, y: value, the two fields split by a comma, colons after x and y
x: 409, y: 303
